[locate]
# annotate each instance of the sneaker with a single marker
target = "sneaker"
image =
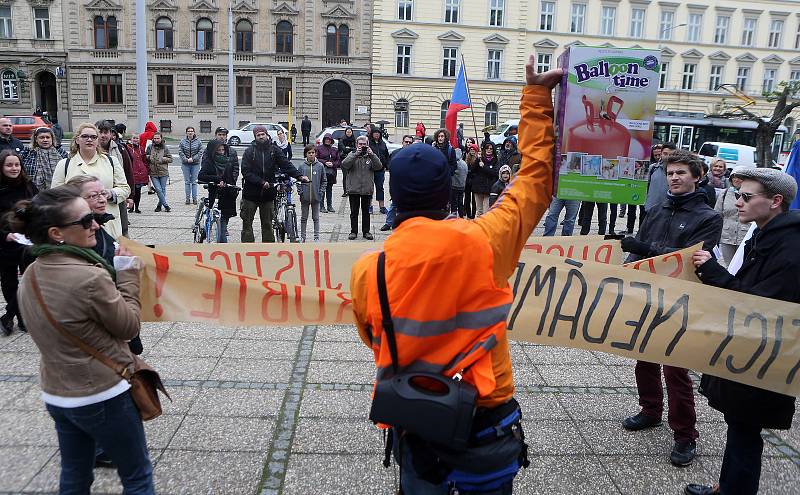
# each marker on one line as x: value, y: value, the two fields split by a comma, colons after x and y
x: 386, y: 227
x: 368, y: 236
x: 697, y: 489
x: 384, y: 210
x: 640, y: 422
x: 331, y: 210
x: 194, y: 201
x: 370, y: 210
x: 7, y: 324
x: 683, y: 453
x: 316, y: 238
x: 158, y: 208
x: 352, y: 236
x: 167, y: 209
x: 188, y: 202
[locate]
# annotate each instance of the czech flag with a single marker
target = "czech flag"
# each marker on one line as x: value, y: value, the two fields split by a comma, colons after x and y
x: 793, y: 169
x: 459, y: 101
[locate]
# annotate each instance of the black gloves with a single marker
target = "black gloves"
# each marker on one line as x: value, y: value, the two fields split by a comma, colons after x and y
x: 632, y: 245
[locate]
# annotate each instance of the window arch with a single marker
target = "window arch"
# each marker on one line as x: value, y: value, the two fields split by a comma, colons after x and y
x: 205, y: 34
x: 401, y: 113
x: 105, y: 32
x: 10, y: 85
x: 244, y: 36
x: 443, y: 113
x: 164, y: 33
x: 284, y: 32
x: 490, y: 115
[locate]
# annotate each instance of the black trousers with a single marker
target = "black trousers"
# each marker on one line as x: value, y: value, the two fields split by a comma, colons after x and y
x: 469, y: 202
x: 741, y: 463
x: 14, y: 262
x: 587, y: 212
x: 359, y: 201
x: 632, y: 216
x: 305, y: 138
x: 457, y: 202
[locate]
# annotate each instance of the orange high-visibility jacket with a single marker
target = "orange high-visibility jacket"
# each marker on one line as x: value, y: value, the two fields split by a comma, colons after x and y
x: 447, y: 280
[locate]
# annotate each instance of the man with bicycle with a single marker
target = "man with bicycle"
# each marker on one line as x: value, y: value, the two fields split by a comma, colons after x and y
x: 260, y: 163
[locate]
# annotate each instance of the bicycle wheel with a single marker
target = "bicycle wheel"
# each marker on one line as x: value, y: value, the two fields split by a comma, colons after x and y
x: 278, y: 226
x: 199, y: 228
x: 214, y: 226
x: 291, y: 225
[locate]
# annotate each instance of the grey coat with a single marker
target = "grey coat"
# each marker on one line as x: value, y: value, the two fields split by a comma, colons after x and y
x: 190, y: 149
x: 361, y: 173
x: 733, y: 231
x: 314, y: 191
x: 657, y: 186
x: 460, y: 177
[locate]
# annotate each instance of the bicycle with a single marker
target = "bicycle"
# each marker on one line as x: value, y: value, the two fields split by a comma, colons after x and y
x: 284, y: 219
x: 208, y: 219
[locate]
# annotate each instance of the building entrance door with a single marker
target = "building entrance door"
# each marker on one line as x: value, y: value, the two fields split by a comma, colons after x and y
x: 47, y: 96
x: 335, y: 102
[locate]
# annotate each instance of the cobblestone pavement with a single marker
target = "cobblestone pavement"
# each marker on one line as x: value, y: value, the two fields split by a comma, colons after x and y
x: 284, y: 410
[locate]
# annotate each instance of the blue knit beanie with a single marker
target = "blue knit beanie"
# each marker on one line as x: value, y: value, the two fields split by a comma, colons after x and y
x: 420, y: 179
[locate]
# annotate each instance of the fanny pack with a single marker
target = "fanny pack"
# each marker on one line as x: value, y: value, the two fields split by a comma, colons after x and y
x: 436, y: 408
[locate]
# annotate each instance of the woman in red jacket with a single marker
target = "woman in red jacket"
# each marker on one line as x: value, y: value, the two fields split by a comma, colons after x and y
x: 140, y: 172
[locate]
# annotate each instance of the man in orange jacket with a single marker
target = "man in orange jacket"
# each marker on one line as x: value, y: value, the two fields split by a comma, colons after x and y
x: 449, y: 298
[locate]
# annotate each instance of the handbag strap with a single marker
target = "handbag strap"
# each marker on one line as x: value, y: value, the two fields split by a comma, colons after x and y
x: 386, y: 314
x: 118, y: 368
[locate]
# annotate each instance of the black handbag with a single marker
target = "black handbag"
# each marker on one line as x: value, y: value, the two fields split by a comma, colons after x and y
x: 431, y: 406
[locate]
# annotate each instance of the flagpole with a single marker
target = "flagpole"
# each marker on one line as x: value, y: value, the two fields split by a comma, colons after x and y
x: 471, y: 106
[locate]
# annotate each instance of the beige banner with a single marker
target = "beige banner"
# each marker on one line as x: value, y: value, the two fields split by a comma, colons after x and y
x: 677, y: 264
x: 558, y: 301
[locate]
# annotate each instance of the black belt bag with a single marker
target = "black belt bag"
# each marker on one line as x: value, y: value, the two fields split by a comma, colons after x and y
x: 434, y: 407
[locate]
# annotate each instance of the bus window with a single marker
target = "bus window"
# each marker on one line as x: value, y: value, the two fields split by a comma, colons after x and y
x: 708, y: 150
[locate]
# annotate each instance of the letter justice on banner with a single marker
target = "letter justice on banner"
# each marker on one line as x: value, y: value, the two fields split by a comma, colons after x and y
x: 557, y: 301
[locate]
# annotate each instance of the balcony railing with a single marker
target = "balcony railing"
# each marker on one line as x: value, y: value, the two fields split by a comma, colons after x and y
x: 244, y: 57
x: 337, y: 60
x: 285, y: 59
x: 205, y: 56
x: 163, y: 55
x: 105, y: 54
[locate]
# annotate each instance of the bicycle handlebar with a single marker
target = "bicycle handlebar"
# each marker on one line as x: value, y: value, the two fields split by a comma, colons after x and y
x: 230, y: 186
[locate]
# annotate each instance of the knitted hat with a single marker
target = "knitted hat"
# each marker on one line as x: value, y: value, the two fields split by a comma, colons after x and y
x: 420, y: 179
x: 740, y: 168
x: 259, y: 128
x: 504, y: 168
x: 773, y: 181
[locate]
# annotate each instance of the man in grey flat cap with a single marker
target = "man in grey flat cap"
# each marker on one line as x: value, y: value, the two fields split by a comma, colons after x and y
x: 771, y: 268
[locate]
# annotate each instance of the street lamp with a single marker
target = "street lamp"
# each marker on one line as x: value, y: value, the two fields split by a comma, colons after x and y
x: 667, y: 30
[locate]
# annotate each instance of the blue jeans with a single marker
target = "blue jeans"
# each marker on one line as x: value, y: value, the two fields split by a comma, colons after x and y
x: 160, y: 185
x: 190, y: 173
x: 390, y: 215
x: 116, y: 427
x: 553, y: 213
x: 380, y: 177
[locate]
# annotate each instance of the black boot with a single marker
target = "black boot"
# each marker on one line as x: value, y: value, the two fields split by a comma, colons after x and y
x: 7, y: 324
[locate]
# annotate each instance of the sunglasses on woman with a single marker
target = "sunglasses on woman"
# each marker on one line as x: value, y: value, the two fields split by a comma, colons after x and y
x: 746, y: 196
x: 85, y: 221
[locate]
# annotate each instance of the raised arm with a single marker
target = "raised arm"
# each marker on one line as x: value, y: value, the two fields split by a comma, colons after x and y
x: 517, y: 211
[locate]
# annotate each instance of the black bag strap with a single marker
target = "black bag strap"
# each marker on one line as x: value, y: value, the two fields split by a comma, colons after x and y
x: 386, y: 314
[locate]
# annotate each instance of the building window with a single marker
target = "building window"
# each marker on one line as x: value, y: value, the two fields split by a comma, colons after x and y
x: 637, y: 23
x: 742, y: 73
x: 205, y: 126
x: 244, y: 90
x: 794, y: 76
x: 165, y: 126
x: 493, y: 68
x: 405, y: 10
x: 451, y: 8
x: 283, y: 88
x: 337, y: 40
x: 665, y: 25
x: 775, y: 33
x: 797, y: 38
x: 205, y: 35
x: 546, y: 15
x: 577, y: 18
x: 716, y: 77
x: 769, y: 80
x: 165, y: 90
x: 663, y: 76
x: 284, y: 32
x: 244, y: 36
x: 10, y: 85
x: 164, y: 34
x: 543, y: 62
x: 105, y: 32
x: 401, y: 113
x: 108, y: 88
x: 404, y: 59
x: 443, y: 113
x: 749, y: 31
x: 41, y: 19
x: 695, y: 26
x: 449, y: 62
x: 205, y: 90
x: 688, y: 76
x: 608, y: 21
x: 721, y: 30
x: 5, y: 23
x: 496, y: 10
x: 490, y: 114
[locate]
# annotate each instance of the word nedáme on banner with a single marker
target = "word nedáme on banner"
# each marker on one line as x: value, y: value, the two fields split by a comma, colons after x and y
x: 577, y: 296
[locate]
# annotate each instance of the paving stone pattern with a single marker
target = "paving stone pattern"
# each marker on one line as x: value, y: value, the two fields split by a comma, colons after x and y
x: 284, y: 410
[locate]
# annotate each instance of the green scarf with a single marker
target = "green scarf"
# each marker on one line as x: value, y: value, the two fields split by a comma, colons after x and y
x: 85, y: 253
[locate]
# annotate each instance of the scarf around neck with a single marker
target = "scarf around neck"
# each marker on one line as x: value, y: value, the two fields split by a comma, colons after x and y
x: 84, y: 253
x: 46, y: 161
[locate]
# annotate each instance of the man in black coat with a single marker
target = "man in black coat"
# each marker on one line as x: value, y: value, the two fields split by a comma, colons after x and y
x: 378, y: 146
x: 683, y: 220
x: 260, y: 162
x: 8, y: 141
x: 305, y: 128
x: 770, y: 269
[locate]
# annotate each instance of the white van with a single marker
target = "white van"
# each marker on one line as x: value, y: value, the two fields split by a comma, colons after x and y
x: 500, y: 135
x: 733, y: 154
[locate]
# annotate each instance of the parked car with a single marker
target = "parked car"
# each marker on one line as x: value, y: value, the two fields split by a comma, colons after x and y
x: 244, y: 135
x: 733, y: 154
x: 501, y: 133
x: 24, y: 125
x: 338, y: 132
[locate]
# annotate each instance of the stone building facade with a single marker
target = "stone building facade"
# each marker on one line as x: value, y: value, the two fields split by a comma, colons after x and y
x: 32, y: 58
x: 418, y: 47
x: 320, y: 50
